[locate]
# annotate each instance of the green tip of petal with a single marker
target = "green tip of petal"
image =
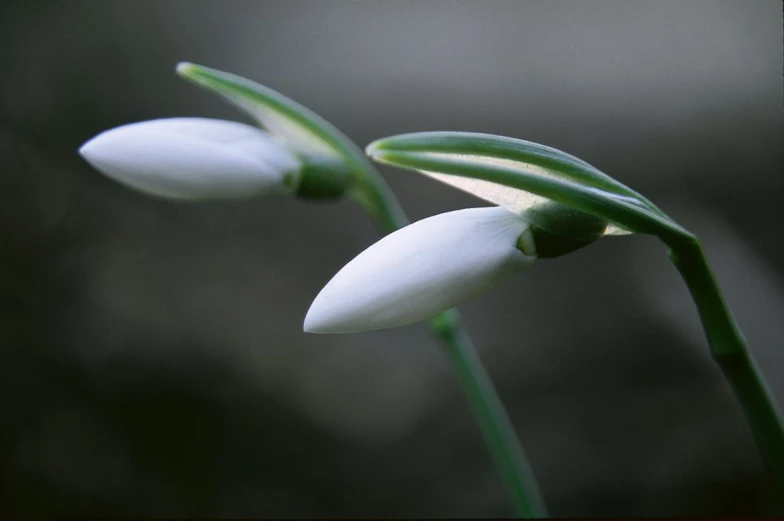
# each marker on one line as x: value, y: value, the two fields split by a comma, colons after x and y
x: 186, y: 69
x: 374, y: 148
x: 201, y: 75
x: 378, y: 152
x: 192, y: 72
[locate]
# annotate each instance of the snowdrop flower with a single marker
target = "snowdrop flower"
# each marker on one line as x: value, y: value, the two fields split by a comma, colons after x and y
x: 194, y: 159
x: 423, y: 269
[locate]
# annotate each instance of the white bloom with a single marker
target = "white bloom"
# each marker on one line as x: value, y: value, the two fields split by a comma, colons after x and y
x: 421, y: 270
x: 194, y: 158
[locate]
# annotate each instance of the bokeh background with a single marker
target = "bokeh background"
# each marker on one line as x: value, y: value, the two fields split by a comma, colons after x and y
x: 153, y: 359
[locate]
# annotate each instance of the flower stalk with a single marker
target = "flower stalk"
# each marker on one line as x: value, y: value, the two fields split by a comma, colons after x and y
x: 488, y: 410
x: 729, y: 350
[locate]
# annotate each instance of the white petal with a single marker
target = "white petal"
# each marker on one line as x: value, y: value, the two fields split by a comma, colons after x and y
x: 421, y: 270
x: 193, y: 158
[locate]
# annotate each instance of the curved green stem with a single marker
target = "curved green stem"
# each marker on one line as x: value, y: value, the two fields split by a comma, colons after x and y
x: 497, y: 429
x: 485, y: 404
x: 728, y: 348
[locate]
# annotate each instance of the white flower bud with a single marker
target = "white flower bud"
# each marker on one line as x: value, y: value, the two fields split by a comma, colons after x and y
x: 422, y: 270
x: 194, y: 158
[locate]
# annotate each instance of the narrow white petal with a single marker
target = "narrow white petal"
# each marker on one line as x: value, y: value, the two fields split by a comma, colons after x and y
x: 421, y: 270
x: 193, y: 158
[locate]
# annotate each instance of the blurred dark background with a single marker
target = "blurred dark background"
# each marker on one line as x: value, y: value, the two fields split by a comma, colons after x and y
x: 153, y: 359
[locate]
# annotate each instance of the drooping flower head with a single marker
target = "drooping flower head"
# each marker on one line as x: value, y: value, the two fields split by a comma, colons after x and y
x: 292, y: 151
x: 423, y: 269
x: 550, y: 204
x: 194, y: 159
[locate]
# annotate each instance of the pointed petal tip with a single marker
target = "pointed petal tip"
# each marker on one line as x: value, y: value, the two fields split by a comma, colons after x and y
x: 314, y: 320
x: 91, y: 149
x: 322, y: 318
x: 84, y: 150
x: 308, y: 328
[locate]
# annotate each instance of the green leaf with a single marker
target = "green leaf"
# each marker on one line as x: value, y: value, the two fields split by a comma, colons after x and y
x: 300, y: 127
x: 304, y: 131
x: 520, y: 175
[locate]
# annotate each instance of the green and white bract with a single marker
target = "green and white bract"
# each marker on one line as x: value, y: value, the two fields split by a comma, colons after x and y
x: 194, y: 159
x: 421, y: 270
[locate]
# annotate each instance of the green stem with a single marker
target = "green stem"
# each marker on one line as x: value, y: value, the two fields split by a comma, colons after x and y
x: 728, y: 348
x: 499, y: 435
x: 497, y: 429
